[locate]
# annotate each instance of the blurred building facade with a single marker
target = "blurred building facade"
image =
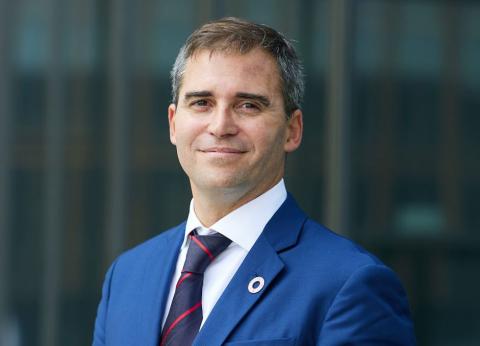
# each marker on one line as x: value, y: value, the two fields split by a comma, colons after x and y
x: 390, y: 155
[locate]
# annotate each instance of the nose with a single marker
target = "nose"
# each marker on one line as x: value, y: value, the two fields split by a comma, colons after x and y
x: 222, y: 123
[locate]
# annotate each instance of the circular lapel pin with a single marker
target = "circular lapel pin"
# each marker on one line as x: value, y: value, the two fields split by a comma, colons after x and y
x: 256, y: 284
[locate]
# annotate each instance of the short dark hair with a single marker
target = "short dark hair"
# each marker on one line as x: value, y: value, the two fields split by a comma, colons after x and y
x: 233, y: 35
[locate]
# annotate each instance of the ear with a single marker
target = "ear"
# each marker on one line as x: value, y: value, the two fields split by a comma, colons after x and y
x: 172, y: 109
x: 294, y: 131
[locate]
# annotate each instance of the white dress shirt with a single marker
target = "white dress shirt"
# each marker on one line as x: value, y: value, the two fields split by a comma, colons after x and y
x: 243, y: 227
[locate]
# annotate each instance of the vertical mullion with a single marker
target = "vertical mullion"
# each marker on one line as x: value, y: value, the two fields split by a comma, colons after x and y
x: 144, y: 157
x: 450, y: 159
x: 337, y: 120
x: 6, y: 130
x: 118, y: 126
x: 54, y: 175
x: 380, y: 203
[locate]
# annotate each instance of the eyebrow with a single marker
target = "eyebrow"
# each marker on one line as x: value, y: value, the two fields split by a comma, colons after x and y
x: 248, y: 96
x: 255, y: 97
x: 202, y: 93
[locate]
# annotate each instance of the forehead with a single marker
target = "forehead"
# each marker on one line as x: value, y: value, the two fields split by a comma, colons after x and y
x: 254, y: 71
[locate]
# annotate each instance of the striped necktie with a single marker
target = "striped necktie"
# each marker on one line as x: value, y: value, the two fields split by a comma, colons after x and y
x: 185, y: 315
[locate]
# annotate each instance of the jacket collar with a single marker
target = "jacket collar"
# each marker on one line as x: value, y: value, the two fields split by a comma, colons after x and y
x: 283, y: 229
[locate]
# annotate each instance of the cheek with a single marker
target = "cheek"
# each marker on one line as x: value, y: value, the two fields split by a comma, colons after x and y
x: 183, y: 143
x: 270, y: 137
x: 186, y: 131
x: 269, y: 148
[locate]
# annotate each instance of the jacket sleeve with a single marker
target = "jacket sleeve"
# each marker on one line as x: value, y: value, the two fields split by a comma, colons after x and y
x: 100, y: 322
x: 370, y: 309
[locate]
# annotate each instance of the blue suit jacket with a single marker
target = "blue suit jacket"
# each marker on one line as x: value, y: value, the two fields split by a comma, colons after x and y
x: 320, y: 289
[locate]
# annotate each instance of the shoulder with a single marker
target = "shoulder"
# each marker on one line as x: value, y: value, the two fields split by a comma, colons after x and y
x: 308, y: 247
x: 151, y: 248
x: 356, y: 289
x: 327, y: 262
x: 320, y: 242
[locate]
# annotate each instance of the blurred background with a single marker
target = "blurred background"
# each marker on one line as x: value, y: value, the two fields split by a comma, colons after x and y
x: 390, y: 156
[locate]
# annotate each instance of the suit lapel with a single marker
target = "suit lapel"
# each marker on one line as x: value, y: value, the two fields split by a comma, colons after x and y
x: 158, y: 274
x: 263, y: 260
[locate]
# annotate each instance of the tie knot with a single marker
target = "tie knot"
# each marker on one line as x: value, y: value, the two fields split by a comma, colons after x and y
x: 202, y: 251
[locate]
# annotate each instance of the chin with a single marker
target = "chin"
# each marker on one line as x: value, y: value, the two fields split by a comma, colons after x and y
x: 219, y: 183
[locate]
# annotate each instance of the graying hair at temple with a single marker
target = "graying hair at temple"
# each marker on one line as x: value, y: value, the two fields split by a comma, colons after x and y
x: 232, y: 35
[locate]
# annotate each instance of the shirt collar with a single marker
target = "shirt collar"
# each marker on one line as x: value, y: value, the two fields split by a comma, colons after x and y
x: 245, y: 224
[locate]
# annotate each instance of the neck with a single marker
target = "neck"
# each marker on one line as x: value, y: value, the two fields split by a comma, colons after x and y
x: 211, y: 206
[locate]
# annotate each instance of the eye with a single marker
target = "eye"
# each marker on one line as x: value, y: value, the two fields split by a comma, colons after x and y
x: 199, y: 105
x: 249, y: 107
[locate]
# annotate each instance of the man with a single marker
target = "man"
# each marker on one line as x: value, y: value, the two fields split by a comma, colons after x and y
x: 270, y: 275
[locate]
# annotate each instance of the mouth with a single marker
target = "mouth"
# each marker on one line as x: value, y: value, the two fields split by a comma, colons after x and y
x: 222, y: 150
x: 222, y: 153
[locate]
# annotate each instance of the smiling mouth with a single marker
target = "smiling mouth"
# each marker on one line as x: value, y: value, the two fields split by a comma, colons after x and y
x: 222, y: 151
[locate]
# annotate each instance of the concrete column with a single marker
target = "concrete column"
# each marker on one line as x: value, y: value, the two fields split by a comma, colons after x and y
x: 338, y: 117
x: 6, y: 138
x: 118, y: 126
x: 54, y: 178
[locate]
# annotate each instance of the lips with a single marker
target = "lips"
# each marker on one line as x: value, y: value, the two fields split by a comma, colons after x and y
x: 223, y: 150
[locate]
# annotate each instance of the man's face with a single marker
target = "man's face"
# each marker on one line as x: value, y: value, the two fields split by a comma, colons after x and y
x: 229, y: 125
